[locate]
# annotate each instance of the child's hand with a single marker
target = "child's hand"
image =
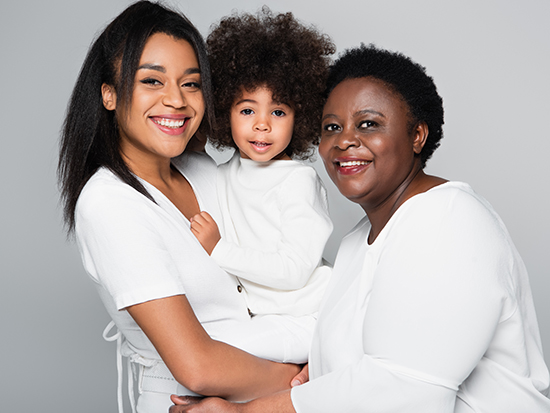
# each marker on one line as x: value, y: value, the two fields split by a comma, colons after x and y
x: 206, y: 230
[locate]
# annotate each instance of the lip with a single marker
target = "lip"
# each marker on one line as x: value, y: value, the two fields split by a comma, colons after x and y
x: 260, y: 146
x: 354, y: 165
x: 171, y: 117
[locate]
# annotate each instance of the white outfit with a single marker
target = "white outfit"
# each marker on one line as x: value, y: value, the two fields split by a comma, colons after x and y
x: 136, y: 250
x: 275, y: 227
x: 435, y: 316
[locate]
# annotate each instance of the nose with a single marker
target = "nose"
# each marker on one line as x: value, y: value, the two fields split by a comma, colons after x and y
x: 346, y: 139
x: 262, y: 124
x: 174, y: 97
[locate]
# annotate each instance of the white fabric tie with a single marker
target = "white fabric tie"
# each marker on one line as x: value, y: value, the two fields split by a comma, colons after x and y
x: 123, y: 349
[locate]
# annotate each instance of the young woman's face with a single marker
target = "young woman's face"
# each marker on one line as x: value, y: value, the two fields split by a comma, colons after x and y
x: 261, y: 128
x: 367, y: 143
x: 167, y: 103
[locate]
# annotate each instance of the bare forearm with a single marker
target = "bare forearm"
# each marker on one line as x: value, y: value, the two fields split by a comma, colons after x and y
x: 203, y: 365
x: 236, y: 375
x: 275, y: 403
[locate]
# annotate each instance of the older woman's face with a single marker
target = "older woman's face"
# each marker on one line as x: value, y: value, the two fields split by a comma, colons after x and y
x: 367, y: 143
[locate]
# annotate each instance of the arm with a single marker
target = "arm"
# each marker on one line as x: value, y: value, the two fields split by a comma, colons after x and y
x: 131, y: 251
x: 201, y: 364
x: 276, y: 403
x: 305, y: 228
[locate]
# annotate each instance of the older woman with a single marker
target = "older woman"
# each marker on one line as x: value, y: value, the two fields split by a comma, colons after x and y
x: 429, y: 308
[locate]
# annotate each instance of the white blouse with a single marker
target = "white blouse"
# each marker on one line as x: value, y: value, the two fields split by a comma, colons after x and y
x: 436, y: 315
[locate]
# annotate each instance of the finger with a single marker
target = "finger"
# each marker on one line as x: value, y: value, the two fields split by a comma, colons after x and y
x: 200, y: 219
x: 206, y: 216
x: 184, y: 400
x: 301, y: 378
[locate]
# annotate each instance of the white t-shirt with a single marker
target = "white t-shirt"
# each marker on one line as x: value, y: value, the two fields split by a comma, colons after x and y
x: 435, y: 316
x: 274, y: 230
x: 136, y: 250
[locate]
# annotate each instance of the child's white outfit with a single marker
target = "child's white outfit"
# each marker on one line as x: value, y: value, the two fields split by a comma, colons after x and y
x: 275, y: 227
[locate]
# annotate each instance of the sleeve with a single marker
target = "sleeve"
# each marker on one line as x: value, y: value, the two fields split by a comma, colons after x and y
x: 305, y: 228
x: 275, y: 337
x: 122, y: 247
x: 434, y: 307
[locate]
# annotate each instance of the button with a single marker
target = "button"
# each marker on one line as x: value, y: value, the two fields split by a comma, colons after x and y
x: 239, y: 288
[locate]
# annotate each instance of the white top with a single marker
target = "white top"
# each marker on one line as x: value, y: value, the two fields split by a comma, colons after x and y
x: 436, y: 316
x: 275, y: 227
x: 136, y: 250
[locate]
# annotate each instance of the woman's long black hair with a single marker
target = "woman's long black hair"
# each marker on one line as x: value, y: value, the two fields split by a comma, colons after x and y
x: 90, y: 137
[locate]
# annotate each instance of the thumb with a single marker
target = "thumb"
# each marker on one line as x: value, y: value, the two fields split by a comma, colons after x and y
x: 184, y: 400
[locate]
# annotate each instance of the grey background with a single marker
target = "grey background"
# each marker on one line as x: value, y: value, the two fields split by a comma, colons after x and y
x: 490, y: 60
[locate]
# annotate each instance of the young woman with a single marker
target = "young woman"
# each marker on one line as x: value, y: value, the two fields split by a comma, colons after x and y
x: 143, y: 92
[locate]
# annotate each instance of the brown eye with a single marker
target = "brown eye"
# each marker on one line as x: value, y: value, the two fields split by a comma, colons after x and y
x: 331, y: 127
x: 192, y: 85
x: 366, y: 124
x: 150, y: 81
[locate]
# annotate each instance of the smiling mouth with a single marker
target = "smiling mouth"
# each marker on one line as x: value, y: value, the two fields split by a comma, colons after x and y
x: 170, y: 123
x: 348, y: 164
x: 260, y: 144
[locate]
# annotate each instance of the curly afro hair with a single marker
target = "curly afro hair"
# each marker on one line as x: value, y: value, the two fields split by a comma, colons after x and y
x: 405, y: 77
x: 274, y: 51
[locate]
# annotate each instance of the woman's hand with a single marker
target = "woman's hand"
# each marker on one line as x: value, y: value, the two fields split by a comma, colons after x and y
x: 302, y: 377
x: 202, y: 405
x: 206, y: 230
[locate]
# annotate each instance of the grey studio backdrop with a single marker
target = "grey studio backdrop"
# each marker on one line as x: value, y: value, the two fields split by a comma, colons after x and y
x: 490, y: 60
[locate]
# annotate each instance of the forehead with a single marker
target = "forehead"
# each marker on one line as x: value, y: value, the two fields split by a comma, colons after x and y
x: 365, y: 93
x: 164, y: 49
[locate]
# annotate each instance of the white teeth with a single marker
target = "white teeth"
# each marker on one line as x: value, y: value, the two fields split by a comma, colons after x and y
x: 260, y: 143
x: 353, y: 163
x: 170, y: 123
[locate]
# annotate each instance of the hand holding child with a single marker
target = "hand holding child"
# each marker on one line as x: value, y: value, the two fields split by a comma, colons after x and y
x: 206, y: 230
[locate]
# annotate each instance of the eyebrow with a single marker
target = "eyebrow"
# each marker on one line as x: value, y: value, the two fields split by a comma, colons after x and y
x: 245, y: 101
x: 254, y: 101
x: 162, y: 69
x: 365, y: 111
x: 358, y: 113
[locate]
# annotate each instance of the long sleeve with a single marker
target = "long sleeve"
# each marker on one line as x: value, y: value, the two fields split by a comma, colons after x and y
x: 287, y: 260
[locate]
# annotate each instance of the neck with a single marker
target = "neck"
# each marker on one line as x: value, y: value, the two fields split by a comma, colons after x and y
x: 416, y: 183
x: 157, y: 171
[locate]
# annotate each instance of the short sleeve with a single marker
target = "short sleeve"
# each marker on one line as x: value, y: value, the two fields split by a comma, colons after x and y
x: 119, y: 234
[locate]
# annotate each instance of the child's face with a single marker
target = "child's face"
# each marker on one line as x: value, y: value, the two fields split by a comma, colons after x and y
x: 261, y: 128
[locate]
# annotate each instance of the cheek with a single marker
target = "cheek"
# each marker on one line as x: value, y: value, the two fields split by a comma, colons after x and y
x: 200, y: 107
x: 323, y: 149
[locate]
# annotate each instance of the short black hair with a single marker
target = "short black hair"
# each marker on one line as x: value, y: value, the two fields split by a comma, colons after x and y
x: 90, y: 138
x: 275, y: 51
x: 404, y: 77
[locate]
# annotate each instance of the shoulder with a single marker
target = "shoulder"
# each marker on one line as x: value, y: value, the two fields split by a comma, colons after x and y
x: 107, y: 199
x: 299, y: 174
x: 456, y: 200
x: 105, y: 189
x: 301, y: 183
x: 451, y: 213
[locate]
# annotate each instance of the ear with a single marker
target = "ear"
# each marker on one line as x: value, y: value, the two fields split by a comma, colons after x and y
x: 109, y: 96
x: 420, y: 135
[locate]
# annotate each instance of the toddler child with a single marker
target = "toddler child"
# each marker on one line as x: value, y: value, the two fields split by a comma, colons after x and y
x: 269, y: 73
